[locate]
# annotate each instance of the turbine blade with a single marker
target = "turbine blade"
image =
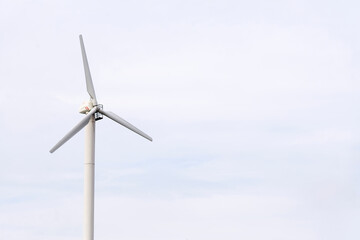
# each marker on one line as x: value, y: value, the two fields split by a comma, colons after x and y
x: 126, y: 124
x: 89, y: 83
x: 75, y: 130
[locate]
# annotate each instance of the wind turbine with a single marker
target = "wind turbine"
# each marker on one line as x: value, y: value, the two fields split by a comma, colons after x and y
x: 94, y: 112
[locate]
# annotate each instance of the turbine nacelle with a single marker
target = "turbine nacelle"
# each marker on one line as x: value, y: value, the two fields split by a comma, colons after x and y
x: 85, y: 107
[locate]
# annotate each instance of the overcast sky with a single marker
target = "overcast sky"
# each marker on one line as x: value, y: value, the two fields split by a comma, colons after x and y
x: 252, y: 105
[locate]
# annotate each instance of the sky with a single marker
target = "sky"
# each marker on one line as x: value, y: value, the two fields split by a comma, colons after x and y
x: 252, y: 106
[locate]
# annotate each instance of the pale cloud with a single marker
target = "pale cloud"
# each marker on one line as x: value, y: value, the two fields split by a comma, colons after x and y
x: 252, y: 107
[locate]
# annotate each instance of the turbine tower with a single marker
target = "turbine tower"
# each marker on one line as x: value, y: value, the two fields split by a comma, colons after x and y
x: 94, y: 112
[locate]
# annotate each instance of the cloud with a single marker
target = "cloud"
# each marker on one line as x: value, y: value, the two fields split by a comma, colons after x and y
x: 252, y: 107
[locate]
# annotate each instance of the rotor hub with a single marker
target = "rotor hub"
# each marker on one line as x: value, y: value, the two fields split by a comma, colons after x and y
x: 98, y: 115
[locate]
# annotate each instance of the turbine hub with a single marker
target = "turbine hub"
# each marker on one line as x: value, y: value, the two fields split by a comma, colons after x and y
x: 97, y: 115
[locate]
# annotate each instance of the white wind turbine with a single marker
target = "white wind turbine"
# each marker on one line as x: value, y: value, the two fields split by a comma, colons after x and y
x: 94, y: 112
